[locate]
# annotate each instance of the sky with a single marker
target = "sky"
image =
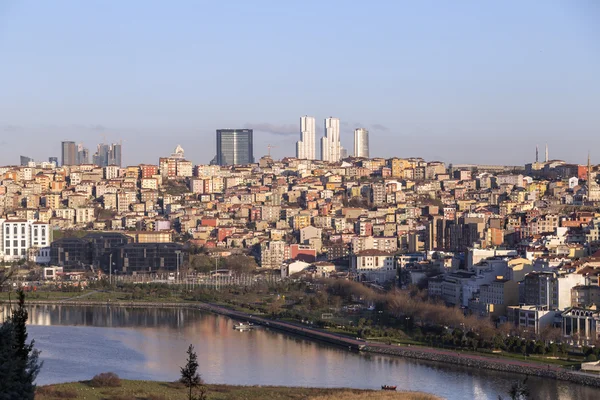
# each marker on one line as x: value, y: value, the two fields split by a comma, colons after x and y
x: 458, y: 81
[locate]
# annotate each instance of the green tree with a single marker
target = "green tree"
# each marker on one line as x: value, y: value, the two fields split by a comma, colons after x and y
x: 190, y: 376
x: 19, y: 361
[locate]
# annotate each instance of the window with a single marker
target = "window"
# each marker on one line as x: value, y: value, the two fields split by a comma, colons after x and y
x: 7, y: 243
x: 15, y: 229
x: 22, y: 229
x: 22, y: 252
x: 377, y: 261
x: 23, y: 243
x: 7, y: 230
x: 15, y: 243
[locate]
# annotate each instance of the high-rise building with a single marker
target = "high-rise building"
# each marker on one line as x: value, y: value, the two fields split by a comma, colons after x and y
x: 306, y: 148
x: 25, y: 161
x: 107, y: 155
x: 330, y: 143
x: 83, y: 155
x: 234, y: 147
x: 361, y: 143
x: 69, y: 153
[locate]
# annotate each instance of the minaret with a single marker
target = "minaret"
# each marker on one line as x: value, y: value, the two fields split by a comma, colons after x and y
x: 546, y: 152
x: 536, y: 154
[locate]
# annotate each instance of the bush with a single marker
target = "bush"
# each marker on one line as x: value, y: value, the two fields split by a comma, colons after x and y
x: 106, y: 379
x: 591, y: 358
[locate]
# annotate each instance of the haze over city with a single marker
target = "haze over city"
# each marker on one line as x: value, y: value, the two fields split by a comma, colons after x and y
x: 445, y: 81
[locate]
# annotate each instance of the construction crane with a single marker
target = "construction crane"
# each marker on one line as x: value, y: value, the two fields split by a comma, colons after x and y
x: 269, y: 147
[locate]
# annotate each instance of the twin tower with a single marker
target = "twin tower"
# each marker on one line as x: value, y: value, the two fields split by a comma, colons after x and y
x: 331, y: 148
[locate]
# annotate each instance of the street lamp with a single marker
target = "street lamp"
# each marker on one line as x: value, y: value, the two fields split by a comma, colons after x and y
x: 110, y: 269
x: 177, y: 252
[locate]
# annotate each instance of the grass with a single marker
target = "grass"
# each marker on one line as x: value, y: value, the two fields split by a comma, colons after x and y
x: 149, y: 390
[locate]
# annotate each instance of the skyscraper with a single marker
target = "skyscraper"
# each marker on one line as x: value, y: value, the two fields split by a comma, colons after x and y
x: 306, y: 148
x: 25, y: 161
x: 361, y: 143
x: 69, y: 153
x: 108, y: 155
x: 53, y: 160
x: 330, y: 143
x: 83, y: 155
x: 234, y: 147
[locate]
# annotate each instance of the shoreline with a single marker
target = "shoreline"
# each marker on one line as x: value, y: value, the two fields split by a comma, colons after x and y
x: 415, y: 352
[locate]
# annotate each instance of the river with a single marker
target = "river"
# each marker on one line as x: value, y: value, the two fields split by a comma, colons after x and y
x: 79, y: 342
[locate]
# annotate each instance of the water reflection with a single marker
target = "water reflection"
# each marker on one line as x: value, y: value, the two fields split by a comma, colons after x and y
x: 79, y: 342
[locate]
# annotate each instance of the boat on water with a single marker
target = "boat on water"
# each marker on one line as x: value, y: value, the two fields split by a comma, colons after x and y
x: 243, y: 326
x: 388, y: 387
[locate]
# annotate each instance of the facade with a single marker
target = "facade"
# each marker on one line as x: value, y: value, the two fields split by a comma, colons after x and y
x: 373, y: 265
x: 361, y: 143
x: 69, y: 153
x: 530, y: 318
x: 273, y: 254
x: 306, y: 147
x: 136, y: 258
x: 330, y: 143
x: 581, y: 325
x: 235, y: 147
x: 549, y: 289
x: 19, y: 237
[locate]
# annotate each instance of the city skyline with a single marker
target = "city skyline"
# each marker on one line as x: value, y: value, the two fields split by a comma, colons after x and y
x: 530, y: 77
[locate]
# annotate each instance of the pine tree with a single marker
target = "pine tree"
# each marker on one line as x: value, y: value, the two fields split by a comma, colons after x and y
x: 19, y: 361
x: 189, y: 374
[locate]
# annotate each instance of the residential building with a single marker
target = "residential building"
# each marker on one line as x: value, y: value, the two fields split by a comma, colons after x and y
x: 18, y: 236
x: 330, y: 143
x: 306, y: 147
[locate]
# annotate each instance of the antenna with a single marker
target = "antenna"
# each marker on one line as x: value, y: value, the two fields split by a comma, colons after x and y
x: 269, y: 147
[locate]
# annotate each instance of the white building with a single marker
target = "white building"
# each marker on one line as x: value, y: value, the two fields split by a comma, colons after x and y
x: 361, y: 143
x: 306, y: 148
x: 18, y: 236
x: 373, y: 265
x: 330, y: 143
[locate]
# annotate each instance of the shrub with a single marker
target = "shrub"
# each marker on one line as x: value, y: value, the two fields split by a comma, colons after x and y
x: 106, y: 379
x: 591, y: 358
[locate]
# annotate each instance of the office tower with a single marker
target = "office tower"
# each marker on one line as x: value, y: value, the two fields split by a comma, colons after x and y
x: 234, y: 147
x: 108, y: 155
x: 25, y: 161
x: 69, y: 153
x: 83, y: 155
x: 53, y: 160
x: 361, y: 143
x: 330, y: 143
x: 547, y: 153
x: 115, y: 154
x: 306, y: 148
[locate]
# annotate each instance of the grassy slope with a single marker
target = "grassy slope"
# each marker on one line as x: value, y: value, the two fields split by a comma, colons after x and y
x: 147, y: 390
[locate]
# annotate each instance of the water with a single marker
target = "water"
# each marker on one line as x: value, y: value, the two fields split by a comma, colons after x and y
x: 79, y: 342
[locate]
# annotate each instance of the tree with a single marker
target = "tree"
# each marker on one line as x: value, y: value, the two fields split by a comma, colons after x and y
x: 19, y: 361
x: 190, y: 376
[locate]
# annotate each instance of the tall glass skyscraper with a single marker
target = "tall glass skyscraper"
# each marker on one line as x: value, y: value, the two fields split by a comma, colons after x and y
x: 234, y: 147
x: 69, y: 153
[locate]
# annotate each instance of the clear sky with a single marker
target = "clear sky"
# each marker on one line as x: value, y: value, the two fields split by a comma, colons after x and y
x: 460, y: 81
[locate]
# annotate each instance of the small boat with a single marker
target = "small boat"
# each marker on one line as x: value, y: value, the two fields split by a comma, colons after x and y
x: 388, y: 387
x: 243, y: 326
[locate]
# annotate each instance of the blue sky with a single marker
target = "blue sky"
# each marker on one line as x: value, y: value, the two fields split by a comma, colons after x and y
x: 466, y: 81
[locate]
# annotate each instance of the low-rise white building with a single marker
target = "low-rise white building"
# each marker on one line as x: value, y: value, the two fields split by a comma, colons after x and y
x: 373, y: 265
x: 18, y: 236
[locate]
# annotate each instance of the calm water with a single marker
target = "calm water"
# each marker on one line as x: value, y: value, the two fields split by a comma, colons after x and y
x: 79, y: 342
